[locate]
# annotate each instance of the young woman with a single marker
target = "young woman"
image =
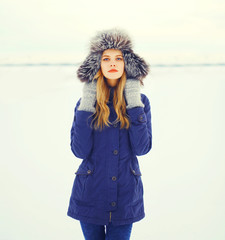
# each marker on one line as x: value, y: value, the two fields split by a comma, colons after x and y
x: 111, y: 127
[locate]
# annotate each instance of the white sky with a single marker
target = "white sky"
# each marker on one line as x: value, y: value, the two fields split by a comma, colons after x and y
x: 179, y: 30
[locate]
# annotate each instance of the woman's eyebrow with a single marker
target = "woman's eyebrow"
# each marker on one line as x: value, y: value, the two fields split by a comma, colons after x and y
x: 109, y: 56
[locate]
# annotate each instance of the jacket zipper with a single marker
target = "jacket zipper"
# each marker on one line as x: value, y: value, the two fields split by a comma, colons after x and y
x: 110, y: 214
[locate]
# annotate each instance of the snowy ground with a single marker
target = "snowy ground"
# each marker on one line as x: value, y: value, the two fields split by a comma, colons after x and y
x: 183, y: 174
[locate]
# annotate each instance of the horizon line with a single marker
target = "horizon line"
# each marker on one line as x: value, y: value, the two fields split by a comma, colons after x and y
x: 75, y: 64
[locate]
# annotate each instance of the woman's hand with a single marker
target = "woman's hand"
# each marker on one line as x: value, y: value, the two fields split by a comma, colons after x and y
x: 132, y: 93
x: 89, y: 97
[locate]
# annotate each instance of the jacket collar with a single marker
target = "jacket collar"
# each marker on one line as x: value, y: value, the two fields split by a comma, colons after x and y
x: 111, y: 94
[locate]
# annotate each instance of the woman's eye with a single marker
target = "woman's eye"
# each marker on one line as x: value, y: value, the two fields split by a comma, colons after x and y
x: 105, y: 59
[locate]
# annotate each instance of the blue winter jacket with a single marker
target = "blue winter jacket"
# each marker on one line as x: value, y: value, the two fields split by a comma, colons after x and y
x: 108, y: 185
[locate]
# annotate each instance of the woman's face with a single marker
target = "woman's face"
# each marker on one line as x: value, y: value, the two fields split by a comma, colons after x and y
x: 112, y: 59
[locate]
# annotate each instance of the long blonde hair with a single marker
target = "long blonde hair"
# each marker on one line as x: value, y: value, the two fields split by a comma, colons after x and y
x: 101, y: 116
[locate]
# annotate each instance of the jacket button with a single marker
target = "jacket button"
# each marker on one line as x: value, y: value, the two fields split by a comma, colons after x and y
x: 113, y: 204
x: 88, y: 171
x: 114, y: 178
x: 133, y: 171
x: 115, y: 152
x: 140, y: 118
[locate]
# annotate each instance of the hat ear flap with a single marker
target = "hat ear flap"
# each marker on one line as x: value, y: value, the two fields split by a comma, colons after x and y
x: 89, y: 67
x: 135, y: 66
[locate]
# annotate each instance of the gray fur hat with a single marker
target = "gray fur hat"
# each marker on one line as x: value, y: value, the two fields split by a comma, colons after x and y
x: 135, y: 66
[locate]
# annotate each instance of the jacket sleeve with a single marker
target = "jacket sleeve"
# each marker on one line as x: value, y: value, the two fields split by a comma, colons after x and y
x: 140, y: 131
x: 81, y: 134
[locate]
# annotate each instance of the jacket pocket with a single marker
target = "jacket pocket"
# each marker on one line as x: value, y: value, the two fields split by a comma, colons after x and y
x: 82, y: 171
x: 135, y: 170
x: 85, y: 168
x: 82, y: 181
x: 134, y: 166
x: 137, y: 183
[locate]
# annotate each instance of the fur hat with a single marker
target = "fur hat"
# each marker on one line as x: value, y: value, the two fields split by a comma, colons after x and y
x: 135, y: 66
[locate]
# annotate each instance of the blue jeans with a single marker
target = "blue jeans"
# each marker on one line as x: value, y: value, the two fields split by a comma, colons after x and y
x: 97, y: 232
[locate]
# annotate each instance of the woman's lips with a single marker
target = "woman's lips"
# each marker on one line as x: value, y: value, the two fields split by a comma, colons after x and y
x: 113, y: 70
